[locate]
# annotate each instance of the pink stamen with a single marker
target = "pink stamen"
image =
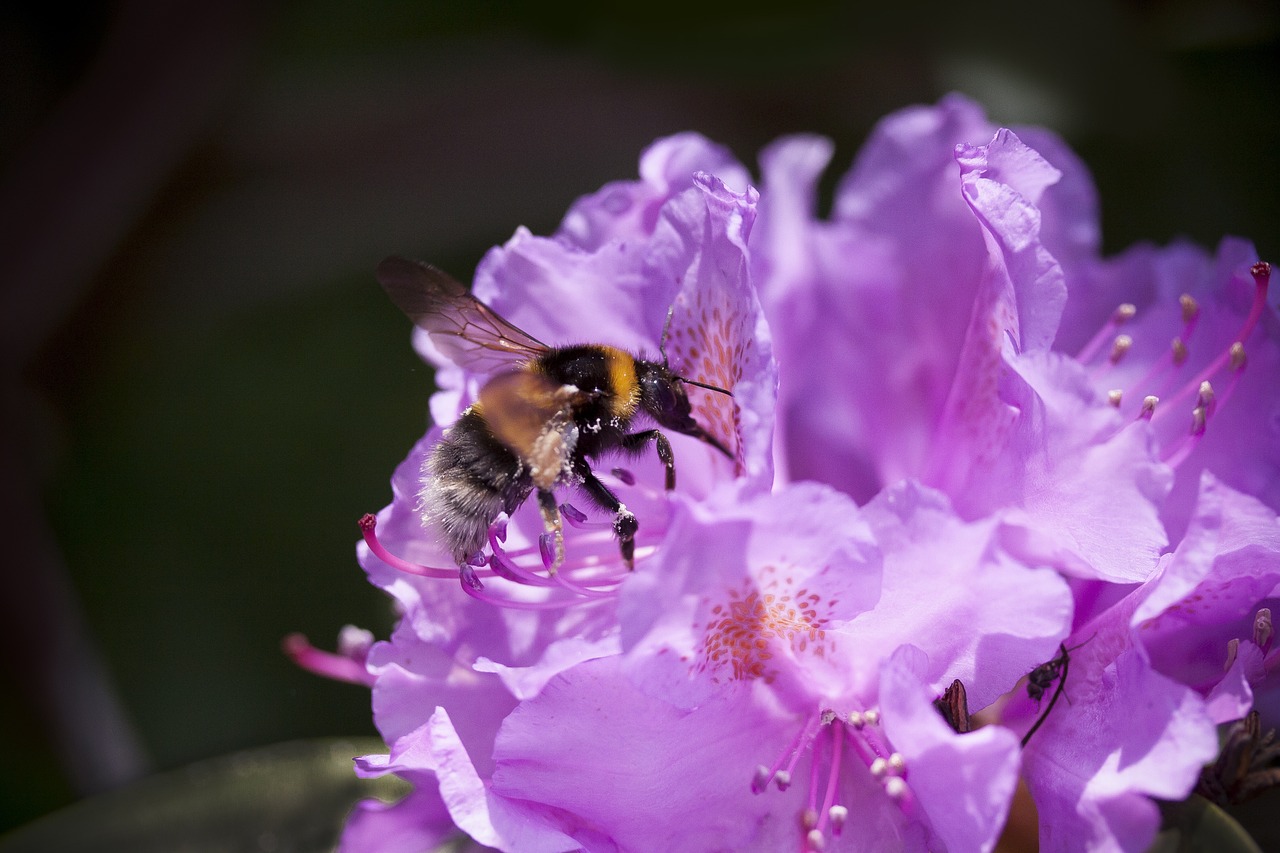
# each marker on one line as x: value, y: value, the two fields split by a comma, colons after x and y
x: 368, y: 523
x: 338, y: 667
x: 479, y: 594
x: 579, y: 519
x: 505, y: 566
x: 765, y: 775
x: 833, y: 775
x: 1123, y: 314
x: 1261, y: 277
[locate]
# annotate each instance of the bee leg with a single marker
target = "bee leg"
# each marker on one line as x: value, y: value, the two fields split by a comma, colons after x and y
x: 624, y: 520
x: 554, y: 525
x: 635, y: 442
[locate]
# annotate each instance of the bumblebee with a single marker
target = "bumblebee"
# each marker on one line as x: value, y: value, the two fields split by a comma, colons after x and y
x: 544, y: 413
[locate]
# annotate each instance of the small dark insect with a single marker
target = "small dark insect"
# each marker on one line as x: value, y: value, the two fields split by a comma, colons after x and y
x: 1042, y: 678
x: 542, y: 415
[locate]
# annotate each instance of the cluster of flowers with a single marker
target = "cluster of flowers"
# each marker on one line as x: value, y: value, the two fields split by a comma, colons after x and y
x: 966, y: 452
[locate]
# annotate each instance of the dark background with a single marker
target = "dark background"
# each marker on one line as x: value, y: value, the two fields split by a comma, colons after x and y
x: 203, y: 387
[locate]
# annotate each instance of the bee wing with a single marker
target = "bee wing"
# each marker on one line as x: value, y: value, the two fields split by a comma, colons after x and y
x: 533, y: 416
x: 465, y: 330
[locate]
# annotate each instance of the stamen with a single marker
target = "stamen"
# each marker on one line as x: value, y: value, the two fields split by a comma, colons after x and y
x: 1238, y: 359
x: 1233, y: 649
x: 1114, y: 397
x: 479, y: 594
x: 1261, y: 276
x: 546, y: 544
x: 579, y: 519
x: 1205, y: 397
x: 503, y: 565
x: 888, y: 766
x: 1199, y: 417
x: 1262, y: 629
x: 1148, y: 407
x: 1178, y: 352
x: 1121, y: 345
x: 368, y: 523
x: 1123, y: 314
x: 345, y: 666
x: 1190, y: 308
x: 793, y: 750
x: 833, y: 774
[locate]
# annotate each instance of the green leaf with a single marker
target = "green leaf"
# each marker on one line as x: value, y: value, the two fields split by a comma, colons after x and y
x: 1195, y: 825
x: 286, y: 797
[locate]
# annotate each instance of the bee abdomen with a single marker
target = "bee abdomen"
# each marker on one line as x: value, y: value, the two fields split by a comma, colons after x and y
x: 470, y: 477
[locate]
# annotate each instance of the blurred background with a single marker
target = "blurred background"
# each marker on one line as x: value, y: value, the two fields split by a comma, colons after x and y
x: 203, y: 386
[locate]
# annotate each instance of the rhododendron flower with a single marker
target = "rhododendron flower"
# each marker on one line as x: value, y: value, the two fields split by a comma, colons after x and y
x: 476, y: 648
x: 968, y: 274
x: 1016, y: 473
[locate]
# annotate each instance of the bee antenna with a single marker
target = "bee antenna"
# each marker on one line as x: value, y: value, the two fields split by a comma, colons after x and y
x: 666, y: 327
x: 715, y: 388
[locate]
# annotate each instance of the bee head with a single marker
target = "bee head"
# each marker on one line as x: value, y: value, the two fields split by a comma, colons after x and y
x: 663, y: 396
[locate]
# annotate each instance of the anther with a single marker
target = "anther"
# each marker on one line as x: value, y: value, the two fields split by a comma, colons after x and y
x: 1119, y: 347
x: 1148, y: 407
x: 1178, y: 351
x: 1123, y: 314
x: 760, y: 781
x: 895, y: 787
x: 1262, y: 629
x: 1190, y: 308
x: 572, y: 514
x: 815, y: 840
x: 1233, y: 649
x: 1199, y: 418
x: 809, y: 819
x: 838, y: 815
x: 1114, y: 397
x: 872, y: 717
x: 1205, y: 396
x: 782, y: 779
x: 879, y: 767
x: 856, y: 720
x: 1237, y: 357
x: 897, y: 764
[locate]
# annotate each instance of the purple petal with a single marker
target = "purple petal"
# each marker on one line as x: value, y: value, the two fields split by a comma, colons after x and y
x: 951, y: 590
x: 1118, y: 737
x: 632, y: 772
x: 628, y: 210
x: 748, y: 589
x: 418, y: 821
x: 964, y: 783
